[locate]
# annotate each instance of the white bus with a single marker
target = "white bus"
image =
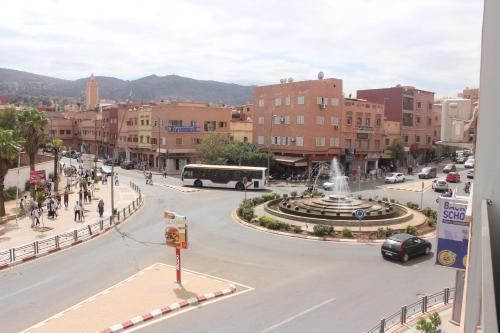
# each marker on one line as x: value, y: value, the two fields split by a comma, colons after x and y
x: 200, y: 175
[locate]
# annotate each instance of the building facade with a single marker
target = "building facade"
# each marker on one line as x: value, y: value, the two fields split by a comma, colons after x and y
x: 92, y: 97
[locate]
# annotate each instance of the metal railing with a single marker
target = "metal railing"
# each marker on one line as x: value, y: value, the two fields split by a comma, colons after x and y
x: 45, y: 246
x: 419, y: 307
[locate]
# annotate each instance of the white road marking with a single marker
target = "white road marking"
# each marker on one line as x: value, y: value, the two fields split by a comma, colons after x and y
x: 20, y: 291
x: 300, y: 314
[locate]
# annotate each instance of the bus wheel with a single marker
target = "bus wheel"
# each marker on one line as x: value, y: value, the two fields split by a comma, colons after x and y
x: 240, y: 186
x: 198, y: 183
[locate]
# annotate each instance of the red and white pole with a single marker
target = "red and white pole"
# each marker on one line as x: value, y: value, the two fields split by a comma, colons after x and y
x: 178, y: 263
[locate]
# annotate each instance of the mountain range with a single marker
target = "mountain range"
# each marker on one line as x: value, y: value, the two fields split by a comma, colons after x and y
x: 152, y: 87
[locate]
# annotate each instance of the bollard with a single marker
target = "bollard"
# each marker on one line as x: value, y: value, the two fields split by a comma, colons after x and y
x: 57, y: 241
x: 403, y: 315
x: 133, y: 204
x: 35, y: 247
x: 75, y: 235
x: 118, y: 216
x: 123, y: 212
x: 424, y: 304
x: 90, y: 230
x: 110, y: 220
x: 129, y: 209
x: 446, y: 295
x: 101, y: 225
x: 382, y: 325
x: 13, y: 255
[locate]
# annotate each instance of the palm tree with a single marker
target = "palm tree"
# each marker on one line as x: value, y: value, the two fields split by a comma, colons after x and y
x: 56, y: 144
x: 33, y: 129
x: 9, y: 148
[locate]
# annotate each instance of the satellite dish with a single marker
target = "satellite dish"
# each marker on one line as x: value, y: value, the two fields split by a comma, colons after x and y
x: 282, y: 81
x: 290, y: 79
x: 321, y: 75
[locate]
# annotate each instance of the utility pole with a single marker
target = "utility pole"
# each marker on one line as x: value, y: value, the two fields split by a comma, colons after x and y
x: 269, y: 147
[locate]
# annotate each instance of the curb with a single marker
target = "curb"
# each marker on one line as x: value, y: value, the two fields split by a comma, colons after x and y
x: 238, y: 220
x: 168, y: 309
x: 55, y: 250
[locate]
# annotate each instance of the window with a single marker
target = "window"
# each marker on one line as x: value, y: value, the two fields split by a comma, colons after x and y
x: 367, y: 120
x: 429, y: 121
x: 419, y: 105
x: 222, y: 124
x: 209, y: 126
x: 334, y: 121
x: 276, y: 120
x: 320, y: 141
x: 193, y: 123
x: 435, y: 133
x: 275, y: 140
x: 334, y: 142
x: 359, y: 119
x: 429, y: 106
x: 163, y: 141
x: 287, y: 100
x: 417, y: 138
x: 142, y: 122
x: 300, y: 100
x: 406, y: 138
x: 142, y: 138
x: 299, y: 141
x: 245, y: 139
x: 287, y: 120
x: 378, y: 120
x: 260, y: 140
x: 322, y: 100
x: 335, y: 101
x: 320, y: 120
x: 428, y: 140
x: 147, y: 121
x: 377, y: 144
x: 277, y: 101
x: 153, y: 141
x: 348, y: 143
x: 155, y: 123
x: 407, y: 103
x: 387, y: 142
x: 61, y: 131
x: 196, y: 141
x: 175, y: 123
x: 261, y: 103
x: 407, y: 119
x: 418, y: 120
x: 178, y: 141
x: 300, y: 120
x: 68, y: 131
x: 349, y: 120
x: 147, y: 139
x: 284, y: 141
x: 260, y: 120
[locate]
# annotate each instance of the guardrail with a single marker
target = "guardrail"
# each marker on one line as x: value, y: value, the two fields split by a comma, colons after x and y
x: 419, y: 307
x: 58, y: 242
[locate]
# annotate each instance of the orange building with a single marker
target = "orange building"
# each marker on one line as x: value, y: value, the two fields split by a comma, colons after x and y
x: 92, y: 97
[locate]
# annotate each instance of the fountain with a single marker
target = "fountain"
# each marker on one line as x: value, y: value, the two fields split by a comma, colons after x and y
x: 337, y: 207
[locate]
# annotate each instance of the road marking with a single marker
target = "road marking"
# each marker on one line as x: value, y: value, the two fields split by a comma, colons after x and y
x: 300, y: 314
x: 19, y: 291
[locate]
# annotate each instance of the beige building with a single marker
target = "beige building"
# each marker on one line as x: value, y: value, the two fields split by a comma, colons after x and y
x: 242, y: 130
x: 92, y: 97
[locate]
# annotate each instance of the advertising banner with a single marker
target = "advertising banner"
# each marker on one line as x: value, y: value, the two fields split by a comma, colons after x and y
x: 176, y: 230
x: 37, y: 177
x: 452, y: 233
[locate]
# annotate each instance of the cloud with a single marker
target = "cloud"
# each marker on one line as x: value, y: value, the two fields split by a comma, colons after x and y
x: 368, y: 44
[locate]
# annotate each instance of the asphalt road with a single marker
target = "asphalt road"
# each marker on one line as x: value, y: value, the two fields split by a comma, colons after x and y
x: 299, y: 285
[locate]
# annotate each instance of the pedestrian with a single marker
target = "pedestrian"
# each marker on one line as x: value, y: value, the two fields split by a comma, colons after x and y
x: 21, y: 208
x: 89, y: 196
x: 36, y: 215
x: 77, y: 210
x: 66, y: 198
x: 117, y: 183
x: 82, y: 211
x: 100, y: 208
x: 165, y: 173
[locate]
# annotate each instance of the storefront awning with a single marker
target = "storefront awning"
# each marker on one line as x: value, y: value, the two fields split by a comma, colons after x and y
x: 290, y: 160
x: 376, y: 156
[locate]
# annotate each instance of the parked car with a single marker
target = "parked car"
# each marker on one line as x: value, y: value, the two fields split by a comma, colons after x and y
x: 450, y: 168
x: 453, y: 177
x: 440, y: 185
x: 461, y: 159
x: 470, y: 174
x: 395, y: 177
x: 328, y: 186
x: 469, y: 157
x: 427, y: 173
x: 127, y: 165
x: 106, y: 169
x: 107, y: 161
x: 404, y: 246
x: 75, y: 154
x: 469, y: 164
x: 49, y: 150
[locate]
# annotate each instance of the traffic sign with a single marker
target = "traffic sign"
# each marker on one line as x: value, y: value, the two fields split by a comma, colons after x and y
x: 359, y: 213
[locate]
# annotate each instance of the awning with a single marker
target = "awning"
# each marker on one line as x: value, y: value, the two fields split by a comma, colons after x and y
x: 290, y: 160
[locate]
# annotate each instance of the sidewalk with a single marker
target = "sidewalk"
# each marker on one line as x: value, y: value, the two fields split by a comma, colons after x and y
x: 445, y: 313
x: 20, y: 232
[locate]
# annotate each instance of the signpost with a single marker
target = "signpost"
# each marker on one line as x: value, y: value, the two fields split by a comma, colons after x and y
x: 37, y: 177
x: 422, y: 197
x: 176, y: 236
x: 360, y: 214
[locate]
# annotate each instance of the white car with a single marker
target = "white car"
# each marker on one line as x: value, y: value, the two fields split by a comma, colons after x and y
x: 395, y: 177
x: 469, y: 164
x: 440, y: 185
x: 329, y: 185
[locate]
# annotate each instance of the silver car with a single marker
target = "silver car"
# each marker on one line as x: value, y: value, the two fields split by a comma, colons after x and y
x: 395, y: 177
x: 440, y: 185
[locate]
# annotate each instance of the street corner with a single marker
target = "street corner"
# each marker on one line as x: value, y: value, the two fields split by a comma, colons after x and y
x: 149, y: 294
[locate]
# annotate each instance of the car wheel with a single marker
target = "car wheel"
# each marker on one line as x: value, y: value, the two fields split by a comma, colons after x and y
x: 240, y: 186
x: 405, y: 257
x: 427, y: 250
x: 198, y: 183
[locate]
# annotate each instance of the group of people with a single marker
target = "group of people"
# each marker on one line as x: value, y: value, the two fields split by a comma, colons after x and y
x: 149, y: 177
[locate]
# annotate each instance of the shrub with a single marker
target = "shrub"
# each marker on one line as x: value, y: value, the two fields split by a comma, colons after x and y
x: 83, y: 184
x: 247, y: 213
x: 389, y: 231
x: 411, y: 205
x: 285, y: 196
x: 320, y: 230
x: 393, y: 200
x: 268, y: 196
x: 346, y: 232
x: 246, y: 203
x: 331, y: 230
x: 317, y: 193
x: 431, y: 326
x: 431, y: 222
x: 285, y: 226
x: 297, y: 229
x: 265, y: 220
x: 384, y: 198
x: 293, y: 194
x: 380, y: 233
x: 40, y: 197
x: 10, y: 193
x: 411, y: 229
x: 273, y: 225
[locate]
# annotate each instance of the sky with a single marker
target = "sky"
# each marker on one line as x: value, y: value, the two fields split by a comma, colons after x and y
x: 433, y: 45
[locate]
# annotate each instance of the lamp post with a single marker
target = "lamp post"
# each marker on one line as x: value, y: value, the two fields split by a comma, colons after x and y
x: 269, y: 148
x: 19, y: 149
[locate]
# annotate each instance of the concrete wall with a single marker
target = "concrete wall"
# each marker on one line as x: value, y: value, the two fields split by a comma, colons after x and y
x: 24, y: 174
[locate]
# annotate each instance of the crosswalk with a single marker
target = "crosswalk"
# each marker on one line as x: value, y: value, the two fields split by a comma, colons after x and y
x: 180, y: 188
x: 417, y: 186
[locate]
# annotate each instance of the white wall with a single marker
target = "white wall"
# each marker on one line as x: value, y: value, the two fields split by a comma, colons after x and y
x: 24, y: 174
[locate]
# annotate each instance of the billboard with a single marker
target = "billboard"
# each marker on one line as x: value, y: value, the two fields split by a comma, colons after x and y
x: 176, y: 230
x: 452, y: 233
x: 37, y: 177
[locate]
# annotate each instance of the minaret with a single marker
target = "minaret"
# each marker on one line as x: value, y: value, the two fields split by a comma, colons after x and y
x: 92, y: 93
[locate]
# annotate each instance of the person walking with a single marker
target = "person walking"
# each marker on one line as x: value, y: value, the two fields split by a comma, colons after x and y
x: 82, y: 213
x: 80, y: 194
x: 89, y: 196
x: 77, y: 208
x: 21, y: 209
x: 100, y: 208
x: 66, y: 198
x: 36, y: 215
x: 117, y: 183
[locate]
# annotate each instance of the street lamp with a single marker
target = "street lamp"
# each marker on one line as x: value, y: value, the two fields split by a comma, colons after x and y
x: 19, y: 150
x: 269, y: 148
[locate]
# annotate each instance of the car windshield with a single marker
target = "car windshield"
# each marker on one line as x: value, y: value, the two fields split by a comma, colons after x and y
x: 393, y: 175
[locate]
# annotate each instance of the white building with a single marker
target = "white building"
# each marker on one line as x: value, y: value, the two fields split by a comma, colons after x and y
x: 456, y: 115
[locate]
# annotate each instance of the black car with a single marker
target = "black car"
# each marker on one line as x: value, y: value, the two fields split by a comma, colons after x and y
x: 127, y: 165
x: 404, y: 246
x: 108, y: 161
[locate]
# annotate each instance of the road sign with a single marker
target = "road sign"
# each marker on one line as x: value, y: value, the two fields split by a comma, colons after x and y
x: 359, y: 213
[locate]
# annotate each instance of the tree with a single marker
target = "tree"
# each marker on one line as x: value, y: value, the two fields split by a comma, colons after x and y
x: 8, y: 119
x: 397, y: 149
x: 56, y: 145
x: 9, y: 148
x: 431, y: 326
x: 33, y: 128
x: 211, y: 150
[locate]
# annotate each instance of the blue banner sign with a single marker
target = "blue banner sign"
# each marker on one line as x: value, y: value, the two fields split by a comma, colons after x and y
x: 452, y: 233
x: 184, y: 129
